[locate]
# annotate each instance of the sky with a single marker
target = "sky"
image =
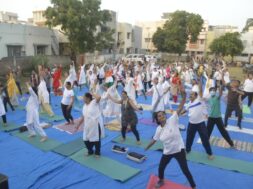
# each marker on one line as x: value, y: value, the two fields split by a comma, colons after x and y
x: 216, y: 12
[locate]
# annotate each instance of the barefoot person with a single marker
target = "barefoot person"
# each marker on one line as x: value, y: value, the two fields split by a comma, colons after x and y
x: 173, y: 145
x: 128, y: 116
x: 92, y: 129
x: 67, y: 103
x: 32, y: 115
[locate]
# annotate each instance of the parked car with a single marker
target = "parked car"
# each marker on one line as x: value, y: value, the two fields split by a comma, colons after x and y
x: 135, y: 57
x: 248, y: 68
x: 150, y: 58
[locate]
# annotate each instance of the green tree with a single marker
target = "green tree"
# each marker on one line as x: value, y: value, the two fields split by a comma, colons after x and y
x: 248, y: 24
x: 228, y: 44
x: 178, y: 29
x: 82, y: 22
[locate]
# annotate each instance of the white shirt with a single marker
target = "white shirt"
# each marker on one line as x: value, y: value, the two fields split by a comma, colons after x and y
x: 91, y: 114
x: 217, y: 75
x: 226, y: 77
x: 67, y: 94
x: 170, y: 136
x: 248, y: 85
x: 197, y: 111
x: 157, y: 98
x: 2, y: 109
x: 195, y: 88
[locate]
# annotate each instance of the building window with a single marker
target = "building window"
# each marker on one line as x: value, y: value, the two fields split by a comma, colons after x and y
x: 14, y: 50
x: 147, y: 40
x: 128, y: 35
x: 40, y: 50
x: 202, y: 41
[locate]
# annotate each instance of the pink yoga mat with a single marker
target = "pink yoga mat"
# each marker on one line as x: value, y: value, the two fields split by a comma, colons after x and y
x: 147, y: 121
x: 167, y: 185
x: 71, y: 129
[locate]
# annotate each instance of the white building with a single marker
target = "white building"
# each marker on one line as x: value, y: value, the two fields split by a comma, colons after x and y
x: 8, y: 17
x: 129, y: 38
x: 247, y: 39
x: 25, y: 40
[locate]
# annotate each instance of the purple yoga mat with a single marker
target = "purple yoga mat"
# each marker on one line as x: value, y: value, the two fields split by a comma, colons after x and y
x: 71, y: 129
x: 147, y: 121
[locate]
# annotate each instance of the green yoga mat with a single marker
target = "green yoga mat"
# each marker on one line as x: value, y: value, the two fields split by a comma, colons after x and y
x: 131, y: 141
x: 53, y: 118
x: 246, y: 109
x: 222, y: 162
x: 35, y: 141
x: 9, y: 127
x: 106, y: 166
x: 69, y: 148
x: 20, y: 107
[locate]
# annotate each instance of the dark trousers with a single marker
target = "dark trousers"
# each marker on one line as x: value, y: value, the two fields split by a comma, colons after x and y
x: 19, y: 87
x: 219, y: 122
x: 202, y: 130
x: 66, y: 113
x: 49, y: 92
x: 250, y: 97
x: 147, y: 84
x: 133, y: 129
x: 181, y: 159
x: 89, y: 145
x: 4, y: 119
x: 6, y: 100
x: 238, y: 112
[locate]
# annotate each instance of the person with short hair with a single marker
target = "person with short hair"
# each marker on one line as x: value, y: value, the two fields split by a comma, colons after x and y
x: 248, y: 89
x: 67, y: 103
x: 168, y: 133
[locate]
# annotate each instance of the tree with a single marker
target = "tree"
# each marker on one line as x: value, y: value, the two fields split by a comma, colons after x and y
x: 83, y: 22
x: 228, y: 44
x: 248, y: 24
x: 178, y: 29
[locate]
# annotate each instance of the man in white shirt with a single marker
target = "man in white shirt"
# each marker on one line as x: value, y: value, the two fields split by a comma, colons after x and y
x: 197, y: 112
x: 248, y: 89
x: 67, y: 103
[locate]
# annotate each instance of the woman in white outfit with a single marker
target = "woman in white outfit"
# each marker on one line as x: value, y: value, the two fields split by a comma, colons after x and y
x: 92, y: 131
x: 32, y: 115
x: 82, y: 76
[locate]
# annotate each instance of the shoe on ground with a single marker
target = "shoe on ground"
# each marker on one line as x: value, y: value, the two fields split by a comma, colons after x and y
x: 159, y: 184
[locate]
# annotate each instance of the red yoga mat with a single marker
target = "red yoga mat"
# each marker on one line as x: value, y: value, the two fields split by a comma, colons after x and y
x: 167, y: 185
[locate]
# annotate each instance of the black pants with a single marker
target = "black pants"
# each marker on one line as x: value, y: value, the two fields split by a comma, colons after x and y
x: 202, y: 130
x: 66, y: 113
x: 181, y: 159
x: 4, y: 119
x: 219, y: 122
x: 89, y: 145
x: 238, y: 112
x: 145, y: 85
x: 6, y: 100
x: 19, y: 87
x: 250, y: 97
x: 49, y: 92
x: 133, y: 129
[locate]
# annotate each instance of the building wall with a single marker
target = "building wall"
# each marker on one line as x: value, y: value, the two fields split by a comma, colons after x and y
x: 8, y: 17
x: 38, y: 18
x: 199, y: 46
x: 247, y: 39
x: 148, y: 30
x: 137, y: 38
x: 124, y: 44
x: 26, y: 36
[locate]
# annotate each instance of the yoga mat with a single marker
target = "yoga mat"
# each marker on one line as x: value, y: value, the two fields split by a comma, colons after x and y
x: 53, y: 118
x: 131, y: 141
x: 167, y: 185
x: 222, y: 162
x: 70, y: 129
x: 147, y: 121
x: 44, y: 125
x: 236, y: 129
x: 113, y: 126
x: 9, y: 127
x: 106, y: 166
x: 20, y: 107
x: 239, y: 145
x: 69, y: 148
x: 245, y: 119
x: 246, y: 109
x: 35, y: 141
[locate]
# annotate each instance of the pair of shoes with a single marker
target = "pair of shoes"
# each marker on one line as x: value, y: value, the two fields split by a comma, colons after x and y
x: 159, y: 184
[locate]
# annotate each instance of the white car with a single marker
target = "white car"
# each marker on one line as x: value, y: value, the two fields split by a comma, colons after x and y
x: 135, y: 57
x: 150, y: 58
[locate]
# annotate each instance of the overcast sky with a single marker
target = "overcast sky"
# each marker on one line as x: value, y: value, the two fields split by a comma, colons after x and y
x: 216, y: 12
